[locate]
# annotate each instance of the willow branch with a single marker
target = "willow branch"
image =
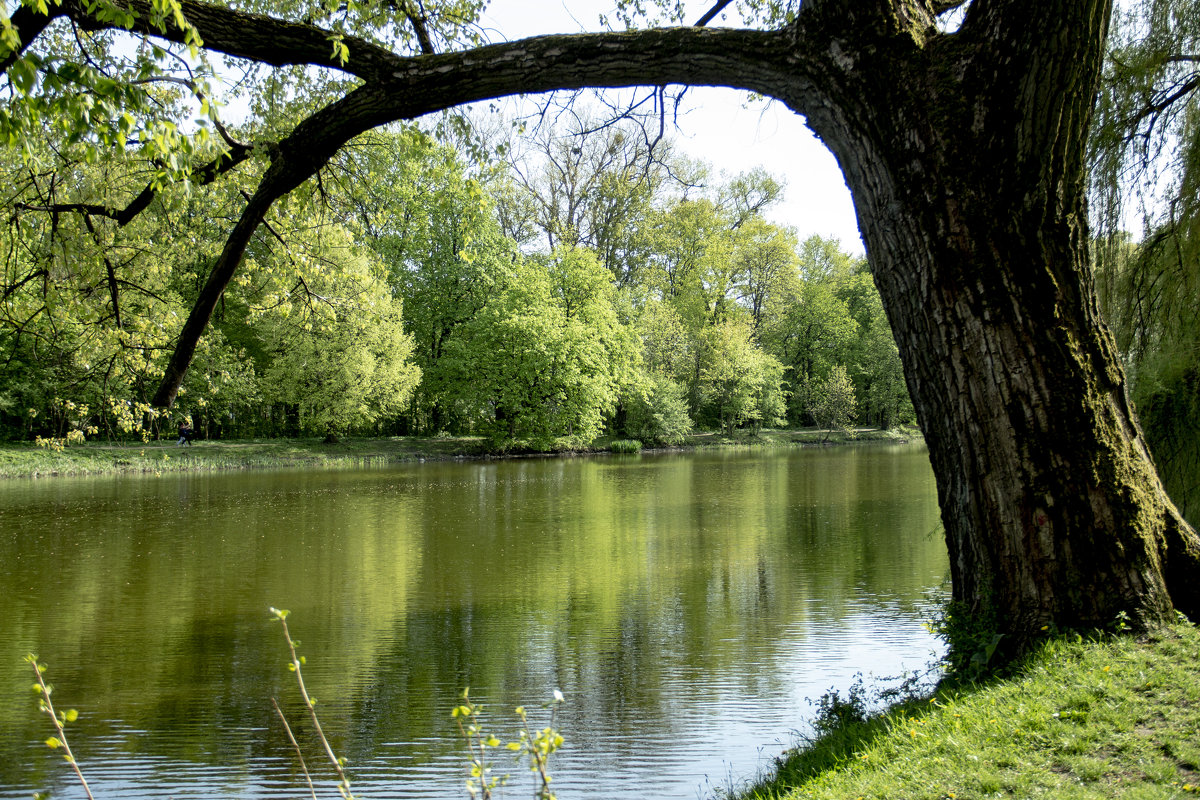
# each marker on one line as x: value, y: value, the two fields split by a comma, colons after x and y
x: 1162, y: 105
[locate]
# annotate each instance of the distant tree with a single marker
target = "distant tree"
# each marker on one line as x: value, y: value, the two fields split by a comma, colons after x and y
x: 588, y: 185
x: 691, y: 267
x: 738, y: 381
x: 766, y: 266
x: 546, y: 357
x: 810, y: 330
x: 667, y: 345
x: 433, y: 227
x: 342, y: 357
x: 657, y: 410
x: 873, y: 360
x: 884, y: 398
x: 831, y: 401
x: 745, y: 196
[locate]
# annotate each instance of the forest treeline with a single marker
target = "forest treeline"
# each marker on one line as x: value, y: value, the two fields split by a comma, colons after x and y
x: 591, y: 283
x: 538, y: 289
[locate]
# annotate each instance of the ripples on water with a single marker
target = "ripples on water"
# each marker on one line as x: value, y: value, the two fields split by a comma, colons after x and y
x: 687, y: 607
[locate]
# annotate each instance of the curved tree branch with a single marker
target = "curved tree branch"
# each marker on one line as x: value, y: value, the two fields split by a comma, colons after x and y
x: 255, y: 37
x: 419, y: 85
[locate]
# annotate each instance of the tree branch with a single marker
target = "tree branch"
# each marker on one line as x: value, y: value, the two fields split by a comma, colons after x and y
x: 256, y: 37
x: 712, y: 12
x: 204, y: 175
x: 114, y: 292
x: 418, y: 23
x: 742, y: 59
x: 1163, y: 104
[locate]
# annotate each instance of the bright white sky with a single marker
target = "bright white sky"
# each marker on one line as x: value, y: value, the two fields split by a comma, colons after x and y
x: 720, y: 127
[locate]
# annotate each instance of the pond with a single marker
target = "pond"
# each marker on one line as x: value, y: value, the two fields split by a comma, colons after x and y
x: 686, y: 605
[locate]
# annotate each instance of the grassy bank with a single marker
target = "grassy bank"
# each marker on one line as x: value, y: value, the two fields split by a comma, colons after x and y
x: 1112, y: 718
x: 27, y: 460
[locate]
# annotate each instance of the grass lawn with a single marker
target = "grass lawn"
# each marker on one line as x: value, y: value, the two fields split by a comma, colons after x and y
x: 24, y: 459
x: 1118, y: 717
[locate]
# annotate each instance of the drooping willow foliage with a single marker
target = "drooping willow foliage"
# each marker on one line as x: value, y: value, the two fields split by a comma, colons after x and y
x: 1146, y: 209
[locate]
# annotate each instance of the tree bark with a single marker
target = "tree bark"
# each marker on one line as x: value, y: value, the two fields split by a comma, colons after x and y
x: 964, y: 154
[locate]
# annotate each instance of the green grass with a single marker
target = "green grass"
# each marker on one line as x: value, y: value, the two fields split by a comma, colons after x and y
x: 771, y: 437
x: 1113, y: 718
x: 24, y: 459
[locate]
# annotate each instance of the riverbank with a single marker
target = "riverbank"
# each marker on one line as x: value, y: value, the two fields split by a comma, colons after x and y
x: 1119, y: 717
x: 26, y: 460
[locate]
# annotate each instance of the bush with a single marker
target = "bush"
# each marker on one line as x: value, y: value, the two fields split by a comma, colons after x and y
x: 660, y: 414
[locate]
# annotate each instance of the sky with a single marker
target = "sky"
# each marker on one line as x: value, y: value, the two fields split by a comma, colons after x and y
x: 721, y: 127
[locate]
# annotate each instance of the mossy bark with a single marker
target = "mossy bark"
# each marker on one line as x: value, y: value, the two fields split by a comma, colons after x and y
x: 965, y: 157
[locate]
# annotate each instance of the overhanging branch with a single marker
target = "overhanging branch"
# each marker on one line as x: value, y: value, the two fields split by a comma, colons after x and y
x: 255, y: 37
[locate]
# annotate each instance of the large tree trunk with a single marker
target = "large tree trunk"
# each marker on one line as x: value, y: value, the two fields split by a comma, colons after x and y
x: 965, y: 159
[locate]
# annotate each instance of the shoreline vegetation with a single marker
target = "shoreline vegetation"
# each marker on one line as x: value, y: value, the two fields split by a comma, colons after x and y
x: 27, y: 460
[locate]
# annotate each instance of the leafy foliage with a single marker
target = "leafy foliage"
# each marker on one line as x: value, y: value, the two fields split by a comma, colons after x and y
x: 658, y: 410
x: 1145, y: 168
x: 831, y: 401
x: 389, y: 297
x: 342, y: 359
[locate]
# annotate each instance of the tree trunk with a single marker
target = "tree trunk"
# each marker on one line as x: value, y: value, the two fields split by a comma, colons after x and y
x: 966, y: 162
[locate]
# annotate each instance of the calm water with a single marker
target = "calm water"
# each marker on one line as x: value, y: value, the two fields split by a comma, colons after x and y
x: 686, y: 605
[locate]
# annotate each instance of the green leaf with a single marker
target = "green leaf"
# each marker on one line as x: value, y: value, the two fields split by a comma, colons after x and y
x: 53, y: 743
x: 23, y: 75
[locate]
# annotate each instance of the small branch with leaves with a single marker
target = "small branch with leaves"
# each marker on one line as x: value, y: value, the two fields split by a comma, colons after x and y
x: 537, y: 746
x: 297, y: 661
x: 60, y: 720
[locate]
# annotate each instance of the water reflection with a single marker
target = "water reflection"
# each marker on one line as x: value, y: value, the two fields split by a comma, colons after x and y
x: 686, y: 604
